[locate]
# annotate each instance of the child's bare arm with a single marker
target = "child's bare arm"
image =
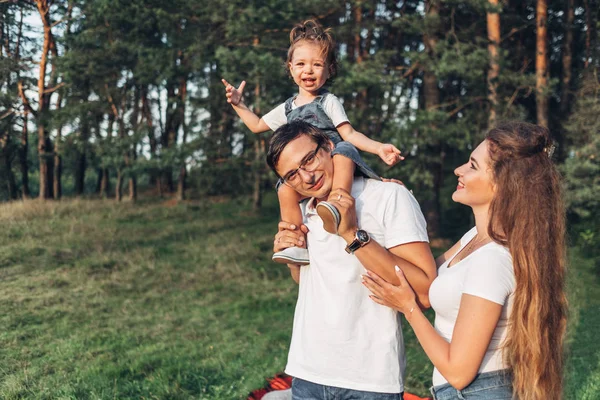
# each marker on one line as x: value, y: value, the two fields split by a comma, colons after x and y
x: 386, y: 151
x: 234, y: 97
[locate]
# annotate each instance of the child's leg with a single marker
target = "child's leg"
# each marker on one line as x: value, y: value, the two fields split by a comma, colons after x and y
x: 343, y: 177
x: 343, y: 173
x: 289, y: 207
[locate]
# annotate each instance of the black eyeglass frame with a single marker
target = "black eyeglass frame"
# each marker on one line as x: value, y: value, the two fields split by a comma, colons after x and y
x: 312, y: 156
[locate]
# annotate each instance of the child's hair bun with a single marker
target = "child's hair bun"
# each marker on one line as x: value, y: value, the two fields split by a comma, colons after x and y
x: 310, y: 30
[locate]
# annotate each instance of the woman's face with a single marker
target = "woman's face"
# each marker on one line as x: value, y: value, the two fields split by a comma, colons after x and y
x: 475, y: 183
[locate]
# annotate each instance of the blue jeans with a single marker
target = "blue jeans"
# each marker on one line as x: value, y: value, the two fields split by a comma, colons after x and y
x: 305, y: 390
x: 494, y: 385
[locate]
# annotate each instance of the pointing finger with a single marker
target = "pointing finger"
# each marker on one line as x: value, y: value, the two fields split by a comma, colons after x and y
x: 242, y: 86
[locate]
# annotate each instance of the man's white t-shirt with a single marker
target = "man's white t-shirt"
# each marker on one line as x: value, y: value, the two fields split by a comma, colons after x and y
x: 341, y: 337
x: 331, y: 105
x: 487, y: 273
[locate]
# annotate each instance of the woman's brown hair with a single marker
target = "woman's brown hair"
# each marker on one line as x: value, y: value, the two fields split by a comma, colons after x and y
x: 310, y: 31
x: 527, y: 215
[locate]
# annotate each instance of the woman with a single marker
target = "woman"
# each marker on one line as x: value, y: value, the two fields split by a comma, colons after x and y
x: 499, y: 298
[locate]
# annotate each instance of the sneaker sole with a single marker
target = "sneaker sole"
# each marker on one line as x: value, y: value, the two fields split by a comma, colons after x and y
x: 330, y: 216
x: 290, y: 260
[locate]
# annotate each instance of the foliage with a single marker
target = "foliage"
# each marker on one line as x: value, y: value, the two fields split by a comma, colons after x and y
x: 142, y: 96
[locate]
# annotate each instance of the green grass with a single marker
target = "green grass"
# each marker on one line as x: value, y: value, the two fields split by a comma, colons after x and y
x: 118, y: 301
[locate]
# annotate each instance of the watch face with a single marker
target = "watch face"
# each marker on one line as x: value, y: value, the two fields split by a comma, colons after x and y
x: 362, y: 236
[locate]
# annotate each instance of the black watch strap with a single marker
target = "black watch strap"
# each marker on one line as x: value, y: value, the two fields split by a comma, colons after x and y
x: 361, y: 238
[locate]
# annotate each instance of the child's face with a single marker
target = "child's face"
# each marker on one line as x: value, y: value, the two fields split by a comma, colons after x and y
x: 308, y: 67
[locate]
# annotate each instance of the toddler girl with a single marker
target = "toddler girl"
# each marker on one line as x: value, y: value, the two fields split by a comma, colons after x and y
x: 311, y: 62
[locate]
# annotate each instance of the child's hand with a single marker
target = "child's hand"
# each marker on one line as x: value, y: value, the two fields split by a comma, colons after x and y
x: 234, y: 96
x: 389, y: 154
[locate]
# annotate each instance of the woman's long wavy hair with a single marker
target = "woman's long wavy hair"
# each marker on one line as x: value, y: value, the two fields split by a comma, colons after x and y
x: 527, y: 215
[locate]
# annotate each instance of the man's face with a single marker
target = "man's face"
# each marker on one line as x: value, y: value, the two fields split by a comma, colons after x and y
x: 316, y: 183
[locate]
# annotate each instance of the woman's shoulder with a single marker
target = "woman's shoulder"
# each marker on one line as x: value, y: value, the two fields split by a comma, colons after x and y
x: 492, y: 256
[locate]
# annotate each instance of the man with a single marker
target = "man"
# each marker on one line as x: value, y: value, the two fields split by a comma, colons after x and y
x: 344, y: 345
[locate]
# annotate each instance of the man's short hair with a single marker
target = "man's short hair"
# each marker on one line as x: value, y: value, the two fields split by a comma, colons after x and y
x: 287, y: 133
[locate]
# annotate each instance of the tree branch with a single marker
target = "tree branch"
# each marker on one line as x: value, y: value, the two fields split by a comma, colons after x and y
x: 55, y: 88
x: 6, y: 114
x: 24, y: 99
x: 112, y: 103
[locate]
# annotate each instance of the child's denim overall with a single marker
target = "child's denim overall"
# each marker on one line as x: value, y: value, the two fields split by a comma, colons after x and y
x: 314, y: 114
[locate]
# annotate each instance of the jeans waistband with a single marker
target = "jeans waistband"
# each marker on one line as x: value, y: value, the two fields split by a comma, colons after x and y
x: 500, y: 380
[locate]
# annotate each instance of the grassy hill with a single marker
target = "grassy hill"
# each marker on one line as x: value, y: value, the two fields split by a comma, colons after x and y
x: 159, y: 301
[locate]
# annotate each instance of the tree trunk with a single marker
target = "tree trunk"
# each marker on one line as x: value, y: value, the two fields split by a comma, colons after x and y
x: 11, y: 184
x: 104, y: 184
x: 567, y: 58
x: 80, y: 167
x: 257, y: 192
x: 23, y: 150
x: 121, y: 136
x: 43, y: 102
x: 181, y: 186
x: 541, y: 63
x: 493, y: 30
x: 81, y: 157
x: 119, y: 185
x: 257, y: 189
x: 431, y: 94
x: 43, y: 156
x: 135, y: 123
x: 147, y: 116
x: 57, y: 179
x: 132, y: 188
x: 588, y: 33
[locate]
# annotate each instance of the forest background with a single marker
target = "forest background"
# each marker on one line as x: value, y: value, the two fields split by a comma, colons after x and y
x: 122, y: 101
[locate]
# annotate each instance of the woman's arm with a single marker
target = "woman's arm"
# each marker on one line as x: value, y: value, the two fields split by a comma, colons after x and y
x: 459, y: 360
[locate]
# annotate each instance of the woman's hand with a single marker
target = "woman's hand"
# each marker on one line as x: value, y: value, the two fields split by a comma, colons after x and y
x: 389, y: 154
x: 401, y: 298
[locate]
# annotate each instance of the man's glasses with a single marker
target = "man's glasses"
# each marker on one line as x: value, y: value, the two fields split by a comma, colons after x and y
x: 310, y: 163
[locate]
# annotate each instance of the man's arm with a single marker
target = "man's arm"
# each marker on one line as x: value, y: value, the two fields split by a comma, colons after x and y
x: 415, y: 258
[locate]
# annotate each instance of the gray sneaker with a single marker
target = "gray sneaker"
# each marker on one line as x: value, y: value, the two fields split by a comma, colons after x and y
x: 292, y: 255
x: 278, y: 395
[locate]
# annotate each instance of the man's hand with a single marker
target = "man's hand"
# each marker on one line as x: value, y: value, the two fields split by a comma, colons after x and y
x: 234, y: 96
x: 389, y: 154
x: 344, y: 202
x: 289, y: 235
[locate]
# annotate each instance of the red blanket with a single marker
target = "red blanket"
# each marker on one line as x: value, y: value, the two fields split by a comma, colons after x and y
x: 282, y: 381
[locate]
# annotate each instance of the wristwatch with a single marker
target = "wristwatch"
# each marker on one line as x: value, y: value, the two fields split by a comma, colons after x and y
x: 361, y: 238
